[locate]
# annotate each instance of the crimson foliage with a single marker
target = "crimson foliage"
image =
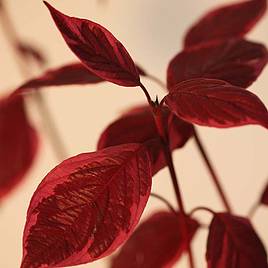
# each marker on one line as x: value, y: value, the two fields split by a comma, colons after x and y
x: 90, y: 204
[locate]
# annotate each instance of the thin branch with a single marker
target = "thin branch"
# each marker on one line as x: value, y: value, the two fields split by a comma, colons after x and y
x: 201, y: 209
x: 253, y: 210
x: 48, y: 122
x: 164, y: 200
x: 212, y: 172
x: 169, y: 160
x: 157, y: 81
x: 147, y: 95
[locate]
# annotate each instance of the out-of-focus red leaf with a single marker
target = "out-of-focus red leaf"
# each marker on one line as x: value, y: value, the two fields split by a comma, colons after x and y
x: 86, y: 207
x: 18, y: 143
x: 226, y: 22
x: 233, y: 243
x: 157, y: 242
x: 264, y: 197
x: 70, y: 74
x: 28, y: 51
x: 97, y: 48
x: 137, y: 125
x: 216, y: 103
x: 238, y: 62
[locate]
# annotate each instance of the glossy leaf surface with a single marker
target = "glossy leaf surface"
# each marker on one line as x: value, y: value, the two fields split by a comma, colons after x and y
x: 226, y: 22
x: 215, y: 103
x: 238, y: 62
x: 264, y: 197
x: 97, y: 48
x: 18, y: 143
x: 157, y: 243
x: 86, y: 207
x: 137, y: 125
x: 233, y: 243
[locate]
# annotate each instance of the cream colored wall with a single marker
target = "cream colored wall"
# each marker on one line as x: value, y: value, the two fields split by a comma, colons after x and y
x: 152, y: 31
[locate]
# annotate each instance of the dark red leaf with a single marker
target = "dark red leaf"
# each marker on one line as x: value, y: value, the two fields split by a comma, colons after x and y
x: 70, y: 74
x: 226, y: 22
x: 156, y: 243
x: 97, y: 48
x: 238, y: 62
x: 215, y: 103
x: 137, y: 125
x: 233, y: 243
x: 264, y: 197
x: 18, y: 143
x: 86, y: 207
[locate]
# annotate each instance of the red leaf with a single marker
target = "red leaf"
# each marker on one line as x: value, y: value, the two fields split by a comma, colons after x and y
x: 138, y: 125
x: 70, y: 74
x: 140, y: 251
x: 18, y: 143
x: 233, y: 243
x: 97, y: 48
x: 226, y: 22
x: 215, y: 103
x: 238, y: 62
x: 264, y: 197
x: 87, y: 207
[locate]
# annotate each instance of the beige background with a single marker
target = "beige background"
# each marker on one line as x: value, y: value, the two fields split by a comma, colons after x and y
x: 152, y: 31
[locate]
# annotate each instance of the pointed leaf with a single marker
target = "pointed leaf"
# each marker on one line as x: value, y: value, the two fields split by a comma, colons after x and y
x: 233, y: 243
x: 18, y: 143
x: 137, y: 125
x: 264, y: 197
x: 97, y: 48
x: 215, y: 103
x: 157, y: 243
x: 86, y: 207
x: 226, y: 22
x: 238, y: 62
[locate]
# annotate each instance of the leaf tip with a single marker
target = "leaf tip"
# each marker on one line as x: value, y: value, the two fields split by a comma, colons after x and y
x: 50, y: 7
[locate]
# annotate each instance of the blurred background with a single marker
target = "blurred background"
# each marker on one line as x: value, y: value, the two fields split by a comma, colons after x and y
x: 152, y: 31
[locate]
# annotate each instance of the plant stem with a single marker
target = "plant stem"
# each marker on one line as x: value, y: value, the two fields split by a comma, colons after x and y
x: 212, y: 172
x: 253, y: 210
x: 201, y: 209
x: 147, y: 95
x: 161, y: 198
x: 165, y: 142
x: 48, y: 122
x: 157, y: 81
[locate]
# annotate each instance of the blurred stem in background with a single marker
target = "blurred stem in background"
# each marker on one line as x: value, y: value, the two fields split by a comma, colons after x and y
x: 24, y: 66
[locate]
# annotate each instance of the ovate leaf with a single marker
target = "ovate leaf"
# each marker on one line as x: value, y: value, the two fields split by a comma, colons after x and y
x: 137, y: 125
x: 215, y: 103
x: 233, y: 243
x: 86, y: 207
x: 18, y: 143
x: 226, y: 22
x: 97, y: 48
x: 238, y: 62
x: 158, y: 242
